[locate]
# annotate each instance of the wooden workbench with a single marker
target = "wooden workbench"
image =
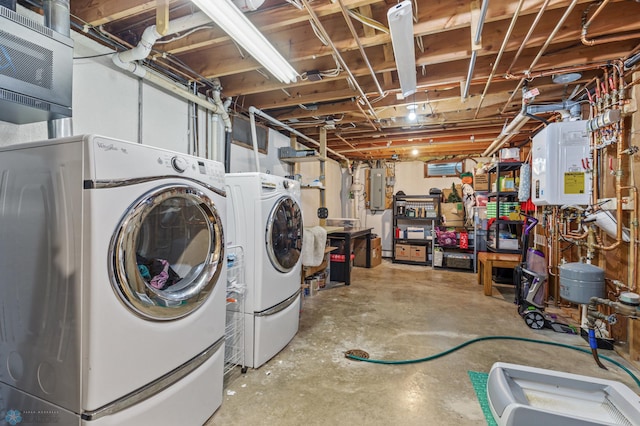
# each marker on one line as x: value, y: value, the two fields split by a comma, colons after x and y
x: 489, y: 260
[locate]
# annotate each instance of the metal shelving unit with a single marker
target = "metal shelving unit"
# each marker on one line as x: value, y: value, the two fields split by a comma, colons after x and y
x: 414, y: 211
x: 234, y: 354
x: 499, y: 196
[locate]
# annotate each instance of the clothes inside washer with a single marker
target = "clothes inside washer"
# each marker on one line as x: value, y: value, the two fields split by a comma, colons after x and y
x: 160, y: 272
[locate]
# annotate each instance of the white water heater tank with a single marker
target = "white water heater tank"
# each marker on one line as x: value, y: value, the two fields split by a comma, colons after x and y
x: 248, y: 5
x: 560, y: 163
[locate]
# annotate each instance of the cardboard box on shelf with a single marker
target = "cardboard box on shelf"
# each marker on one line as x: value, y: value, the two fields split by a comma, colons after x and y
x: 360, y: 251
x: 402, y: 252
x: 453, y: 214
x: 481, y: 182
x: 418, y: 253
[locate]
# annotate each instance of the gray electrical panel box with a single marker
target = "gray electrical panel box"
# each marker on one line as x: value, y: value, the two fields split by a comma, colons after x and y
x: 377, y: 181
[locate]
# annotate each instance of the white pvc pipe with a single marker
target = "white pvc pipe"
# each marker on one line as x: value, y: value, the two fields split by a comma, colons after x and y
x: 180, y: 91
x: 188, y: 22
x: 254, y: 138
x: 292, y: 130
x: 126, y: 60
x: 506, y: 133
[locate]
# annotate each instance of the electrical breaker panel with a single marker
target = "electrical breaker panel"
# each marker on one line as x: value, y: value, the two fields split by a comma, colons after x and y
x: 377, y: 185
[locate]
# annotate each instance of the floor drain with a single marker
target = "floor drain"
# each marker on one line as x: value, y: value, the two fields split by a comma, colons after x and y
x: 356, y: 352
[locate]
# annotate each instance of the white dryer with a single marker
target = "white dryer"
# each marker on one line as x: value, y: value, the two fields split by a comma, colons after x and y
x: 113, y: 296
x: 266, y: 219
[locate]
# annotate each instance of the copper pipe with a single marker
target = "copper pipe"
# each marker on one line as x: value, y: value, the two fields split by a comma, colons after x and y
x: 507, y: 36
x: 633, y: 248
x: 604, y: 39
x: 633, y: 251
x: 562, y: 70
x: 347, y: 18
x: 596, y: 13
x: 633, y: 83
x: 542, y: 49
x: 574, y: 237
x: 618, y: 184
x: 553, y: 34
x: 528, y: 36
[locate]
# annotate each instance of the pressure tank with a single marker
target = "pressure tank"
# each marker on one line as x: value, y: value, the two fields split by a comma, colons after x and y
x: 248, y: 5
x: 579, y: 282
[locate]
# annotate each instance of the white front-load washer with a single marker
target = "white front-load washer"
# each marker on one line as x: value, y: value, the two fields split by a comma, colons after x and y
x: 113, y: 295
x: 265, y: 218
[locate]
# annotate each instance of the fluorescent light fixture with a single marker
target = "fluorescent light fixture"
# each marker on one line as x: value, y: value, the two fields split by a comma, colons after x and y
x: 400, y: 19
x: 233, y: 22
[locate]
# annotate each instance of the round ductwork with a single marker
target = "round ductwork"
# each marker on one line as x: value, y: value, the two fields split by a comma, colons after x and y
x: 566, y: 78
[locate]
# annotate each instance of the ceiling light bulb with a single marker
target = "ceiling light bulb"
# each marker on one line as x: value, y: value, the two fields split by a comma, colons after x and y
x: 414, y: 151
x: 412, y: 115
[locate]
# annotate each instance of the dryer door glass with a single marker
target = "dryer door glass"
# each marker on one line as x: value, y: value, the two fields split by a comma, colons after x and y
x: 167, y: 252
x: 284, y: 234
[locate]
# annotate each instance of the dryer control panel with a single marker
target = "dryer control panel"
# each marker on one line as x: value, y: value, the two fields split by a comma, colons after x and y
x: 120, y: 160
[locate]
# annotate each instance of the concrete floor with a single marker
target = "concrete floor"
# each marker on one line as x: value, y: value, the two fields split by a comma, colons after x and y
x: 395, y: 312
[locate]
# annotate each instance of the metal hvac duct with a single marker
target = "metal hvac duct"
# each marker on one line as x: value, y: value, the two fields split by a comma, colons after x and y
x: 58, y: 17
x: 35, y: 81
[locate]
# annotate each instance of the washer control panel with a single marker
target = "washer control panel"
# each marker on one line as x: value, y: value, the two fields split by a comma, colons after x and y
x: 179, y: 164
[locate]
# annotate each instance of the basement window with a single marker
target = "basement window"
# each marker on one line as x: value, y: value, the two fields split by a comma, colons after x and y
x: 241, y: 134
x: 443, y: 169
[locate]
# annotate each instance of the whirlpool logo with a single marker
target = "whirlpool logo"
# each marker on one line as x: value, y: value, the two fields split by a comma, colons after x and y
x: 13, y: 417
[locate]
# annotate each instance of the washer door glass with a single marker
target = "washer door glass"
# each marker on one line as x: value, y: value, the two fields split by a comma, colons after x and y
x: 167, y: 252
x: 284, y: 234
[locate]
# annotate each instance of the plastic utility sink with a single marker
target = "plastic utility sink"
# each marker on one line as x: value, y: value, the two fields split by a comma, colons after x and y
x: 521, y: 396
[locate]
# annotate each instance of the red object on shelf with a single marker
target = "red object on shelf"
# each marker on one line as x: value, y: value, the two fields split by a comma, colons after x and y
x: 340, y: 257
x: 464, y: 240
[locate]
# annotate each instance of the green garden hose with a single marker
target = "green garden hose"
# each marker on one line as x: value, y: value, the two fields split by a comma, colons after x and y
x: 481, y: 339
